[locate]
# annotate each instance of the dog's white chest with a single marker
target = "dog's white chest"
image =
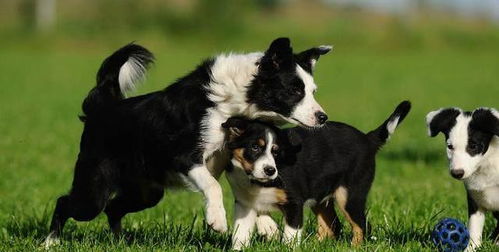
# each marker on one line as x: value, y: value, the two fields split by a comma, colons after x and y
x: 262, y: 199
x: 484, y: 189
x: 488, y: 198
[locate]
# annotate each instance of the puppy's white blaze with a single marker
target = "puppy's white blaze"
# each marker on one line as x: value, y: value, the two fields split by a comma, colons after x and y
x: 305, y: 110
x: 131, y: 73
x: 392, y: 125
x: 267, y: 159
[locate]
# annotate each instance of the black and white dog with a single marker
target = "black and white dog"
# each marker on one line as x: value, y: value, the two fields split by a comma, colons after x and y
x: 132, y: 148
x: 313, y: 167
x: 472, y: 140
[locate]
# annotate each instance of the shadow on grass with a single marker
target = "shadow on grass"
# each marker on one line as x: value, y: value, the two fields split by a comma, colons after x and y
x: 413, y: 154
x: 155, y: 234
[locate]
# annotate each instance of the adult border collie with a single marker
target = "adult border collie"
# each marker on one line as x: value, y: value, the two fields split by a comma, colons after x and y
x: 132, y: 148
x: 313, y: 167
x: 472, y: 139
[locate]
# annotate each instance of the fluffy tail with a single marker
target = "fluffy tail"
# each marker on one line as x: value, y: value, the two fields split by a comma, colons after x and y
x: 380, y: 135
x: 118, y: 74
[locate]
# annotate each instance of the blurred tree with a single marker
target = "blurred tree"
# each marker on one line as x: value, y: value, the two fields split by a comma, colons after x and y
x: 45, y: 14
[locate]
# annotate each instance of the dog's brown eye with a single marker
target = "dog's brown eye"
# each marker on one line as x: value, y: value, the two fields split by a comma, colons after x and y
x: 450, y: 146
x: 275, y: 148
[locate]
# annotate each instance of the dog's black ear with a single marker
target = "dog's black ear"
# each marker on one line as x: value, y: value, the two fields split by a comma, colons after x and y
x: 441, y: 120
x: 278, y: 56
x: 290, y: 145
x: 235, y: 127
x: 308, y: 58
x: 486, y: 120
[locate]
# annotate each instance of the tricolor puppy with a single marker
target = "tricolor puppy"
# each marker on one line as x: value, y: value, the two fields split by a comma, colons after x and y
x: 333, y: 163
x: 472, y: 140
x: 132, y: 148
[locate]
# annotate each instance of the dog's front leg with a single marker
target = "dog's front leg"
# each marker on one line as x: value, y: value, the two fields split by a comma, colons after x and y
x: 266, y: 226
x: 294, y: 221
x: 475, y: 225
x: 215, y: 211
x: 244, y: 224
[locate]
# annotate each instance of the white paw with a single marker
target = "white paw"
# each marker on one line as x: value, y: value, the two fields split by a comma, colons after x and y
x: 239, y: 245
x: 215, y: 217
x: 266, y: 226
x: 50, y: 241
x: 471, y: 248
x: 292, y: 236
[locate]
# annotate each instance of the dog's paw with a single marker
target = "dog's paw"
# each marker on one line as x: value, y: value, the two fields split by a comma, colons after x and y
x: 266, y: 226
x: 291, y: 236
x: 471, y: 248
x: 239, y: 245
x: 50, y: 241
x: 215, y: 217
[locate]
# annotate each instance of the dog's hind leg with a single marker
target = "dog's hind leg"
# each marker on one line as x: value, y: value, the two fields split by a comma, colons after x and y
x: 329, y: 225
x: 88, y: 196
x: 352, y: 205
x: 132, y: 199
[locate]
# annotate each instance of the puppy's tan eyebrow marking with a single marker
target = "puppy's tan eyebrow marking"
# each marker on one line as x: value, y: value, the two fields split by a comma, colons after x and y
x: 261, y: 142
x: 239, y: 156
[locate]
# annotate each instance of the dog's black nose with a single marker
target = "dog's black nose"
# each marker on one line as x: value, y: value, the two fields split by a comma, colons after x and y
x: 321, y: 117
x: 457, y: 173
x: 269, y: 170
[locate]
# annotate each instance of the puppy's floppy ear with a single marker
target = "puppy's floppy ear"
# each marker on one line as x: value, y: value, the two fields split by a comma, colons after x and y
x: 278, y: 55
x: 235, y: 127
x: 441, y: 120
x: 486, y: 120
x: 308, y: 58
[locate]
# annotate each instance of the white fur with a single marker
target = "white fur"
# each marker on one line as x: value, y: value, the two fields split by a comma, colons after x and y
x: 475, y: 227
x: 481, y: 174
x: 266, y: 226
x: 304, y: 111
x: 267, y: 159
x: 251, y: 199
x: 244, y: 224
x: 215, y: 211
x: 291, y: 235
x: 131, y: 73
x: 459, y: 158
x: 260, y: 198
x: 50, y: 241
x: 392, y: 125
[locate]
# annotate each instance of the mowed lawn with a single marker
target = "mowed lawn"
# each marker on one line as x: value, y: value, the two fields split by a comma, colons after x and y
x: 40, y: 97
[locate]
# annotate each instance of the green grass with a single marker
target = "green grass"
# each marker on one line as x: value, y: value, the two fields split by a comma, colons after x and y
x: 40, y: 99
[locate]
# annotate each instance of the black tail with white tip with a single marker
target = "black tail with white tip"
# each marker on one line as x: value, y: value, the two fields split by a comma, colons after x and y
x: 118, y: 74
x: 380, y: 135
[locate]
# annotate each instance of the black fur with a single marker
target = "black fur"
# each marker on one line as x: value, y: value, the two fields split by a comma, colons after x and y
x: 132, y: 148
x: 312, y: 165
x: 443, y: 121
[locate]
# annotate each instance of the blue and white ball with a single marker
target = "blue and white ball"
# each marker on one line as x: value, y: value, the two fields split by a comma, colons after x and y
x: 450, y: 235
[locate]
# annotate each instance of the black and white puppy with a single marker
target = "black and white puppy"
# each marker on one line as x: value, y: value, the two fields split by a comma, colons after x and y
x: 131, y: 148
x: 472, y: 140
x: 313, y: 168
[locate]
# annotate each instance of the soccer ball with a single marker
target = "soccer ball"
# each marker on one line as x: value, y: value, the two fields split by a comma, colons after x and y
x: 450, y: 235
